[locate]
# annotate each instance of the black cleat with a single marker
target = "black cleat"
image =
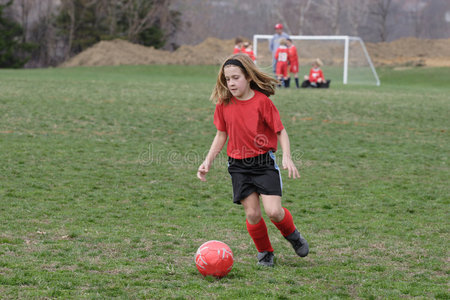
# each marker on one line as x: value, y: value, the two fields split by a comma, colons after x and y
x: 299, y: 243
x: 265, y: 259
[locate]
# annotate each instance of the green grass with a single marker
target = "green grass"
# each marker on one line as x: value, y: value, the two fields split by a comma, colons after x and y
x: 99, y: 199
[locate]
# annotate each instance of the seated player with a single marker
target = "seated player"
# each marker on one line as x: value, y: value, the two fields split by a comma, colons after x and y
x: 316, y: 78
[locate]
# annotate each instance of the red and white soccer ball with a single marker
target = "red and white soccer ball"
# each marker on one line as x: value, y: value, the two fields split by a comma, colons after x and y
x: 214, y: 258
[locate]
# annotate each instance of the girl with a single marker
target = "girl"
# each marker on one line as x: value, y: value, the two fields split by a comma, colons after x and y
x: 238, y: 45
x: 246, y: 115
x: 316, y: 78
x: 293, y: 62
x: 248, y: 49
x: 282, y: 57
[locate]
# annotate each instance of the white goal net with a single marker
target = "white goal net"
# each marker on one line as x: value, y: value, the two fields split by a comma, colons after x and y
x: 345, y: 58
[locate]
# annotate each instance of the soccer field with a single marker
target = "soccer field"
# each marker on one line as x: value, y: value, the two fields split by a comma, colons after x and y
x: 99, y: 198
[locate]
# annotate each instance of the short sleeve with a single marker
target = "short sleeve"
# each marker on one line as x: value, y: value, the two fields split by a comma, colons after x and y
x: 272, y: 116
x: 219, y: 120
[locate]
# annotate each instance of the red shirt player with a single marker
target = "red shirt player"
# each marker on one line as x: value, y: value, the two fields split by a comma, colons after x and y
x: 316, y: 75
x: 281, y: 55
x: 247, y: 49
x: 238, y: 48
x: 250, y: 121
x: 316, y: 78
x: 293, y: 61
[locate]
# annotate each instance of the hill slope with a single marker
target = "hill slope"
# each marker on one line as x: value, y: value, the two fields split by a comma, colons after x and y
x: 212, y: 51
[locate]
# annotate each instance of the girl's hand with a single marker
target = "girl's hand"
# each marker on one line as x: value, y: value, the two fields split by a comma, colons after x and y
x: 202, y: 170
x: 290, y: 166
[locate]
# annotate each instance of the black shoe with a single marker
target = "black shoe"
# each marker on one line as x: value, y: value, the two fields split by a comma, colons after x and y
x: 265, y: 259
x: 287, y: 82
x: 299, y: 243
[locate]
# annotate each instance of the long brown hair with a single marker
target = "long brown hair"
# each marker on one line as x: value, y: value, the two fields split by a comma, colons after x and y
x: 260, y: 81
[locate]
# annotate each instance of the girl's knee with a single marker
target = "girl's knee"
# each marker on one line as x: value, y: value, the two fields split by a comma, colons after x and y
x: 275, y: 213
x: 253, y: 216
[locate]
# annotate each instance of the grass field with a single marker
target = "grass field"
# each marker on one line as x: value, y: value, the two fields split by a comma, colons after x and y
x: 99, y: 199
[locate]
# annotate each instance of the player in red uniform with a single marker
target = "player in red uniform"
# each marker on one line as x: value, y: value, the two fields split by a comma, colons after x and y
x: 293, y: 62
x: 248, y: 49
x: 250, y: 121
x: 315, y: 77
x: 237, y: 45
x: 281, y: 56
x: 275, y: 43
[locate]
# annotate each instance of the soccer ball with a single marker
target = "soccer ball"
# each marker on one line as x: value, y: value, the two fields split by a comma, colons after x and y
x: 214, y: 258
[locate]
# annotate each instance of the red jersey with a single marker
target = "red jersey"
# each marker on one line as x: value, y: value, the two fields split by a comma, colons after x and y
x: 293, y: 59
x: 293, y: 55
x: 282, y: 54
x: 249, y: 52
x: 251, y: 125
x: 237, y: 50
x: 315, y: 74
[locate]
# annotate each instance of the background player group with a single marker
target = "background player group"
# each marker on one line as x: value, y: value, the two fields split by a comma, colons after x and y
x: 285, y: 61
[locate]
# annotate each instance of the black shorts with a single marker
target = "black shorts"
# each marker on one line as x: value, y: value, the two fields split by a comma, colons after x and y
x: 258, y: 174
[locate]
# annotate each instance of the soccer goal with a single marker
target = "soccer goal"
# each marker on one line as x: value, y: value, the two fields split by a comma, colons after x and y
x: 345, y: 57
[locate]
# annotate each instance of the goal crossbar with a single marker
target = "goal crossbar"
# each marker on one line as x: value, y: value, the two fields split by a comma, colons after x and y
x: 344, y: 38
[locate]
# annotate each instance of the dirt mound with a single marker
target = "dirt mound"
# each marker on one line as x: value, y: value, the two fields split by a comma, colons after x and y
x: 117, y: 52
x: 212, y: 51
x: 411, y: 51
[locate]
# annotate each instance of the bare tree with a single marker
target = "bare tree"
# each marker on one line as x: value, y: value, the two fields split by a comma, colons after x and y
x: 25, y: 7
x: 380, y: 10
x: 69, y: 7
x: 112, y: 8
x: 357, y: 14
x: 418, y: 18
x: 334, y: 14
x: 137, y: 22
x: 304, y: 7
x: 291, y: 13
x: 42, y: 33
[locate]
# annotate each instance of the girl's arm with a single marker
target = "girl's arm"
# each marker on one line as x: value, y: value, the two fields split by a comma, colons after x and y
x: 321, y: 75
x: 287, y: 160
x: 216, y: 147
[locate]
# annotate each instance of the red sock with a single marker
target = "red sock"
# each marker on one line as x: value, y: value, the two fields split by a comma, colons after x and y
x: 286, y: 226
x: 260, y: 237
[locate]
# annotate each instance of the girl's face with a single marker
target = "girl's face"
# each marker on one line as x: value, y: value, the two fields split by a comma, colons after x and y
x: 238, y: 85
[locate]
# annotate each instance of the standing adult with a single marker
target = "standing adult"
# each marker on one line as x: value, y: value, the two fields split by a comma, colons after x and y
x: 275, y: 43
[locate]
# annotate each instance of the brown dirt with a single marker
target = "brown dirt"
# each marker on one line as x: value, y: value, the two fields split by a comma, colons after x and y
x: 212, y: 51
x: 411, y: 51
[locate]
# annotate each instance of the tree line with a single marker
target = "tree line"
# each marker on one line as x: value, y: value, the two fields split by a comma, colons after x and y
x: 49, y: 34
x: 372, y: 20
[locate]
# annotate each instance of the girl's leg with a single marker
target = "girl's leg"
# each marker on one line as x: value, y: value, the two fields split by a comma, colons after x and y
x: 282, y: 219
x: 256, y: 226
x: 287, y: 81
x: 252, y: 208
x: 280, y: 79
x: 279, y: 215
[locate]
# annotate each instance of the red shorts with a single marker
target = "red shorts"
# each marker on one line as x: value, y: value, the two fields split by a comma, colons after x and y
x: 282, y: 69
x: 293, y: 68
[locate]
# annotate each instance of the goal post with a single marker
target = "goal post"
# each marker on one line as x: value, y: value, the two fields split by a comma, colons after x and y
x: 339, y: 52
